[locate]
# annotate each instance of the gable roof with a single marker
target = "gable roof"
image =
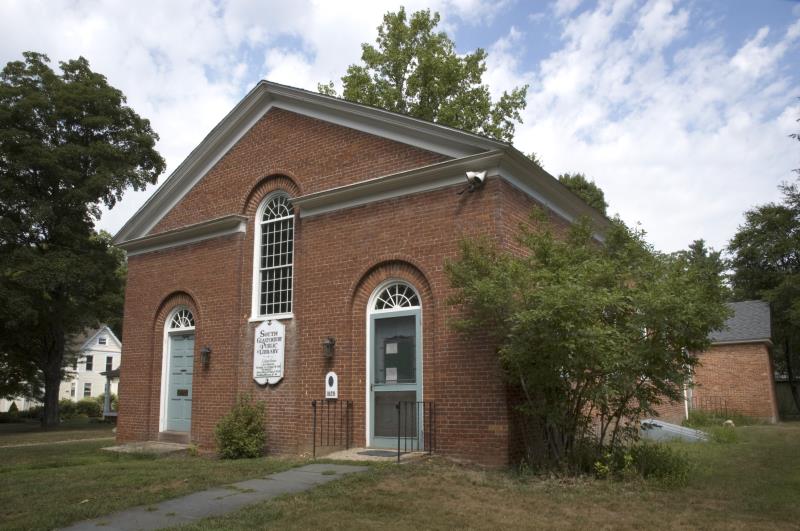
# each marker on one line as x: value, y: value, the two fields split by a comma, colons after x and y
x: 750, y: 322
x: 85, y: 339
x: 267, y: 95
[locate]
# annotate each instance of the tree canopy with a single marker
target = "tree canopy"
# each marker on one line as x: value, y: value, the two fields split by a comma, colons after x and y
x: 589, y: 332
x: 766, y: 265
x: 586, y: 189
x: 68, y: 144
x: 415, y: 70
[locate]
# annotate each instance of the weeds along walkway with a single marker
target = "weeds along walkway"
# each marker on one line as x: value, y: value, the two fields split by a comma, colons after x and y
x: 219, y: 500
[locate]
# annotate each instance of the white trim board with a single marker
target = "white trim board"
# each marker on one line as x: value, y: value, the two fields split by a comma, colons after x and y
x: 204, y: 230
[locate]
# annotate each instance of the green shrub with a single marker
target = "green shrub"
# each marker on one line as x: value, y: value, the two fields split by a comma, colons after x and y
x: 242, y: 432
x: 7, y: 417
x: 722, y: 434
x: 701, y: 419
x: 101, y: 399
x: 67, y: 409
x: 34, y: 412
x: 13, y: 408
x: 89, y: 407
x: 661, y: 462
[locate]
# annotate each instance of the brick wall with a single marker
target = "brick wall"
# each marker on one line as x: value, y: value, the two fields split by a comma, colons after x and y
x: 340, y: 258
x: 741, y: 376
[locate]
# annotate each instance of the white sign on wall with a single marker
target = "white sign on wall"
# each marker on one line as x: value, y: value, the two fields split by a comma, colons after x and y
x: 268, y: 352
x: 331, y: 385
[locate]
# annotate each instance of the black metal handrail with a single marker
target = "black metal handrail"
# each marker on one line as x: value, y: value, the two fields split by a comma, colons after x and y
x: 416, y: 427
x: 332, y: 424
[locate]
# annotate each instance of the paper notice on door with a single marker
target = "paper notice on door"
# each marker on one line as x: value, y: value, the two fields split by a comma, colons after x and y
x: 391, y: 348
x: 391, y: 374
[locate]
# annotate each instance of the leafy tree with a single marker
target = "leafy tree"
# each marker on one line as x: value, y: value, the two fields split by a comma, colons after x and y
x: 415, y: 70
x: 585, y: 189
x: 766, y: 265
x: 589, y: 333
x: 68, y: 144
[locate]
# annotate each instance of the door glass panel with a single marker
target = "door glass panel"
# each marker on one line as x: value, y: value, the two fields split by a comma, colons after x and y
x: 394, y: 349
x: 386, y: 414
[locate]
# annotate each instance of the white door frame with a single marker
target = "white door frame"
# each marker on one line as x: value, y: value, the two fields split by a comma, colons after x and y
x: 165, y: 363
x: 368, y: 351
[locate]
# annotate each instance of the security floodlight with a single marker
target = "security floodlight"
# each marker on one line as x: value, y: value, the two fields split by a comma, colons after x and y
x: 475, y: 180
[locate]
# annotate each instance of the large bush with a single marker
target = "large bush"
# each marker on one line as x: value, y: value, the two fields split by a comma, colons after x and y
x: 67, y: 408
x: 592, y: 336
x: 242, y: 432
x: 90, y: 407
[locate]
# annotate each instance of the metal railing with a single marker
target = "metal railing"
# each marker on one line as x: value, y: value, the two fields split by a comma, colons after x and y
x: 416, y: 427
x: 711, y: 404
x: 332, y: 424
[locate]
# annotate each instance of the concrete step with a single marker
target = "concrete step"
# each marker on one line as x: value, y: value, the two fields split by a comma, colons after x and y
x: 179, y: 437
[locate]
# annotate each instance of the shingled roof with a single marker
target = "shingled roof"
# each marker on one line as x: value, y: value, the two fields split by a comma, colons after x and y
x: 750, y: 322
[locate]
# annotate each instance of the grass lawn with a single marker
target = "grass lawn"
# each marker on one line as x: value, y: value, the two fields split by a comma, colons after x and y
x: 31, y: 431
x: 753, y: 483
x: 47, y: 486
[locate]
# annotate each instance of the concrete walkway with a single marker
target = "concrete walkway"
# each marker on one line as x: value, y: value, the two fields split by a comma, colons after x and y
x: 45, y: 443
x: 218, y: 501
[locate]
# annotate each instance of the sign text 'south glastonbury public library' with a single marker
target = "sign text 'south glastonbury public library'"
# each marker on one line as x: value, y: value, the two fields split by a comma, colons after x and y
x: 268, y: 352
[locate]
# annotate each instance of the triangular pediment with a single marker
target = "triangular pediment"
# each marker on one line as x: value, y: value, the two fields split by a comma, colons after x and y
x: 446, y: 141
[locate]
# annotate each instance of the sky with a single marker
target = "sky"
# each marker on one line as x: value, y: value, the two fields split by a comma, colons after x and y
x: 679, y: 110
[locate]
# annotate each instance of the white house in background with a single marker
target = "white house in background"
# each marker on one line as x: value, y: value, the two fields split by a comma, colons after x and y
x: 100, y: 351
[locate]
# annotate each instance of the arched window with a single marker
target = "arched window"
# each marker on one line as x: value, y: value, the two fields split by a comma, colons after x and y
x: 181, y: 320
x: 396, y: 296
x: 274, y: 256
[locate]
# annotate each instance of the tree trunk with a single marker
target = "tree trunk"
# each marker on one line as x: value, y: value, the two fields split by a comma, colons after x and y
x: 793, y: 387
x: 53, y: 358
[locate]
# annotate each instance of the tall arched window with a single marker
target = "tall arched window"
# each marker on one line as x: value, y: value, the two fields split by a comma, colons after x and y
x: 274, y: 256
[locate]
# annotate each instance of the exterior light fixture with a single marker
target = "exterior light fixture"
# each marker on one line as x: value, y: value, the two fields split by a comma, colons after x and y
x: 205, y: 356
x: 328, y: 345
x: 475, y: 180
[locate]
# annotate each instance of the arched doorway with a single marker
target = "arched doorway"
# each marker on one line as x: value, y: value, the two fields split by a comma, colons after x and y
x: 394, y: 359
x: 177, y: 370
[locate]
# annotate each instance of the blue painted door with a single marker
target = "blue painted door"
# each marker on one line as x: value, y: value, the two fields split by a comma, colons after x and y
x: 396, y: 373
x: 181, y: 360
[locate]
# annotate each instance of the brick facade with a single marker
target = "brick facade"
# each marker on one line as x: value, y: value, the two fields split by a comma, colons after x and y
x: 736, y: 377
x: 740, y: 376
x: 340, y: 258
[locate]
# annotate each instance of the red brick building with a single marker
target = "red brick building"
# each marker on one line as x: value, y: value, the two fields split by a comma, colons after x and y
x: 736, y: 373
x: 334, y: 220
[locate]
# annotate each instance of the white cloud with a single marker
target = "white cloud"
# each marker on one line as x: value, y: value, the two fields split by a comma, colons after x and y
x: 684, y: 141
x: 683, y: 134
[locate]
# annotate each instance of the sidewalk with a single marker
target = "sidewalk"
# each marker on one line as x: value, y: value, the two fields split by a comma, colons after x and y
x: 219, y: 500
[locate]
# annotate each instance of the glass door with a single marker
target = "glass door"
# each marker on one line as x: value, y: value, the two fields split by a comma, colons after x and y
x: 396, y: 375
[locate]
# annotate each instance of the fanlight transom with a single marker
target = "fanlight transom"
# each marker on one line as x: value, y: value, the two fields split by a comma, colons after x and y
x: 397, y: 296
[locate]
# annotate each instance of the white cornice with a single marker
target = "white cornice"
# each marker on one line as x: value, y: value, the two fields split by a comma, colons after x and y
x: 192, y: 233
x: 508, y: 164
x: 266, y: 95
x: 399, y: 184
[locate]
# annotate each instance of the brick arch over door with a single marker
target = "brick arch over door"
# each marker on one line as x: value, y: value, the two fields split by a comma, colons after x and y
x: 401, y: 269
x: 170, y: 302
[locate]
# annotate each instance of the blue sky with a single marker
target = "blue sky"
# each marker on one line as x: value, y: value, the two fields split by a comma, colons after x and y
x: 679, y: 110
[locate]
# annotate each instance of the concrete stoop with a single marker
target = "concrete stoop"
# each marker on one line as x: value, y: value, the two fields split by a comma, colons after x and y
x: 148, y: 447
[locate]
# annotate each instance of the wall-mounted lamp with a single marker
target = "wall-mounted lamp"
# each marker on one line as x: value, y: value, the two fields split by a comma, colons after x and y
x: 205, y: 356
x: 328, y: 345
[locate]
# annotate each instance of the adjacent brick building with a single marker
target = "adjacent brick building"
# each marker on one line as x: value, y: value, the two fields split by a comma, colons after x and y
x: 335, y: 220
x: 735, y: 374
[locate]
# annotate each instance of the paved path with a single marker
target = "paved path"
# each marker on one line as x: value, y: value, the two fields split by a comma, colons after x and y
x: 65, y: 441
x: 217, y: 501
